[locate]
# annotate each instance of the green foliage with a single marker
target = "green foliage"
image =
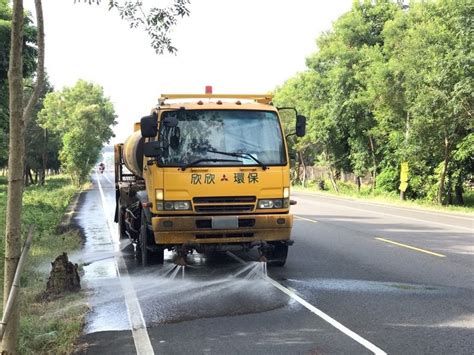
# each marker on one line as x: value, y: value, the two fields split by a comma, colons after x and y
x: 388, y: 84
x: 432, y: 45
x: 41, y: 146
x: 82, y: 117
x: 388, y: 179
x: 29, y: 67
x: 157, y: 22
x: 46, y: 326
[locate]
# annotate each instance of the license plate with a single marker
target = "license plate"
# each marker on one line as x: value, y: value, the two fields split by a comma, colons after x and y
x: 225, y: 222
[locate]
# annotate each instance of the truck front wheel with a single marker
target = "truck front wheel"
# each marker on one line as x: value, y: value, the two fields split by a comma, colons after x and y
x: 147, y: 249
x: 278, y: 255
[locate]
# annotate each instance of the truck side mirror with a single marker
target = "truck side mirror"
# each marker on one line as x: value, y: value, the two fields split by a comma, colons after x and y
x: 152, y: 149
x: 300, y: 126
x: 149, y: 126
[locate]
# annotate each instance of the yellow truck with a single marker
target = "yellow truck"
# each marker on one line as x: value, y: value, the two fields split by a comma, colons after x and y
x: 206, y: 173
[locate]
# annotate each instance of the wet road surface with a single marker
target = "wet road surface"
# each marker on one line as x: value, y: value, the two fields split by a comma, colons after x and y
x: 400, y: 279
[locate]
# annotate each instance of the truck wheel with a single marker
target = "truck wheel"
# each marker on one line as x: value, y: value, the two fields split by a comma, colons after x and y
x: 149, y: 251
x: 278, y: 255
x: 144, y: 251
x: 121, y: 223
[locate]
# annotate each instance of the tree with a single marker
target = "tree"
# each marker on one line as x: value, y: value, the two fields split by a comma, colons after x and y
x: 41, y: 145
x: 18, y: 118
x: 29, y: 67
x: 81, y: 116
x: 433, y: 48
x: 297, y: 93
x: 342, y: 123
x: 392, y: 83
x: 157, y: 25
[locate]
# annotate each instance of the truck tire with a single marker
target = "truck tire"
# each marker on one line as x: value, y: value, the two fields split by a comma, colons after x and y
x: 120, y: 222
x: 278, y: 255
x: 149, y: 252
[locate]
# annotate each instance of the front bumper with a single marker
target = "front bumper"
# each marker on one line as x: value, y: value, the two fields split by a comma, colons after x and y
x: 171, y: 230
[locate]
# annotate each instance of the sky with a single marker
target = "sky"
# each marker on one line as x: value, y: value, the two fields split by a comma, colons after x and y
x: 237, y: 46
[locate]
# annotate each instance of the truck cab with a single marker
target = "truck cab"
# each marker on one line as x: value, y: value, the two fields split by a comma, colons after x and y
x: 208, y: 173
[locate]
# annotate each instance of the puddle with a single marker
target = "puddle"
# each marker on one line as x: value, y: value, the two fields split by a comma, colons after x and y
x: 241, y: 290
x: 342, y: 285
x: 166, y: 297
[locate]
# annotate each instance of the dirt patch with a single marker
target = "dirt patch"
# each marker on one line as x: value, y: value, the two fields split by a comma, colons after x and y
x: 64, y: 277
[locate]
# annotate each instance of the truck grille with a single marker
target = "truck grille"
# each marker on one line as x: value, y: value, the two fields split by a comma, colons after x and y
x: 224, y: 208
x: 224, y: 204
x: 225, y: 199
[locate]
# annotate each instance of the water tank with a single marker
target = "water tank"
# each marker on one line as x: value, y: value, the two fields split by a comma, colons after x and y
x: 133, y: 153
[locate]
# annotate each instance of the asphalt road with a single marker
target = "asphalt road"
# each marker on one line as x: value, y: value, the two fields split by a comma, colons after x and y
x: 361, y: 277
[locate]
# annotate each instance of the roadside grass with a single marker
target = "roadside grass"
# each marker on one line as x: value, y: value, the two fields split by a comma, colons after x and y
x: 350, y: 190
x: 46, y: 326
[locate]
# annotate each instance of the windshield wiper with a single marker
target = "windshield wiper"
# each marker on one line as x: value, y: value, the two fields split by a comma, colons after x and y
x: 185, y: 166
x: 240, y: 155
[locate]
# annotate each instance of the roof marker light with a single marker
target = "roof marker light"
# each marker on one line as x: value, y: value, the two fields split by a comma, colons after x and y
x: 208, y: 89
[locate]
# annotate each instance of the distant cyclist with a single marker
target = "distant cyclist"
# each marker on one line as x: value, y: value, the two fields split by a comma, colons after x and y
x: 101, y: 167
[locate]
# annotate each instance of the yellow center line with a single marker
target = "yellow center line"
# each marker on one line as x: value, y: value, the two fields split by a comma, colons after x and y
x: 411, y: 247
x: 306, y: 219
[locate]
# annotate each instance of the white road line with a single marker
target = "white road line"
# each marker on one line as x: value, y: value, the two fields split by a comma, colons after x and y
x: 137, y: 322
x: 364, y: 342
x: 105, y: 175
x: 305, y: 219
x: 392, y: 215
x: 375, y: 204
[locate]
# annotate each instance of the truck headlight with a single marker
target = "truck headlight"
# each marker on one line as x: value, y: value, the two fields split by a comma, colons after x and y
x: 182, y: 205
x: 275, y: 203
x: 176, y: 205
x: 265, y: 203
x: 169, y: 205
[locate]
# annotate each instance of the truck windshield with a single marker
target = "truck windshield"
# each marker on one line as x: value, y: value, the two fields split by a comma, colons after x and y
x: 250, y: 137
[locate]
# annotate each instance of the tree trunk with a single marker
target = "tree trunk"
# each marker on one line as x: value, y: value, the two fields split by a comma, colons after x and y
x: 39, y: 85
x: 449, y: 189
x: 32, y: 181
x: 458, y: 190
x: 332, y: 179
x: 358, y: 183
x: 16, y: 157
x: 374, y: 164
x: 442, y: 178
x: 330, y: 172
x: 44, y: 158
x: 26, y: 177
x: 15, y: 173
x: 300, y: 155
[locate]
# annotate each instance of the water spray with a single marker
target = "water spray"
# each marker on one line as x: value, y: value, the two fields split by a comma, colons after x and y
x: 181, y: 258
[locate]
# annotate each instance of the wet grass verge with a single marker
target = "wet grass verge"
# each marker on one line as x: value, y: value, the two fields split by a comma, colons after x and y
x: 47, y: 325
